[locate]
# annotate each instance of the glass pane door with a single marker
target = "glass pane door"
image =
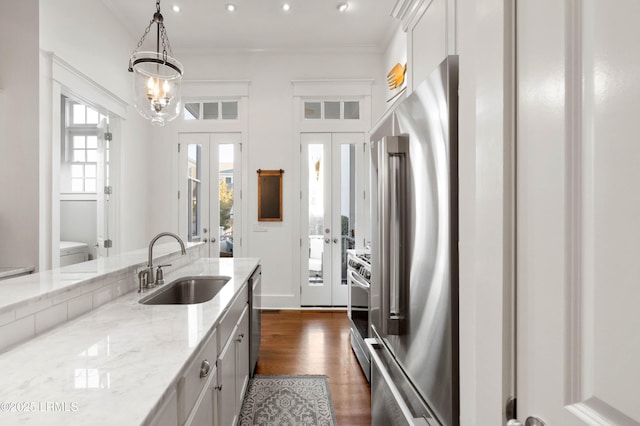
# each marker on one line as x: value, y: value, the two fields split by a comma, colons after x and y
x: 329, y: 211
x: 212, y: 173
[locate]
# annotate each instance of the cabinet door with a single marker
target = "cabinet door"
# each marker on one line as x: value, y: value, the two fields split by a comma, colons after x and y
x: 204, y: 411
x: 167, y: 414
x: 242, y: 356
x: 227, y: 382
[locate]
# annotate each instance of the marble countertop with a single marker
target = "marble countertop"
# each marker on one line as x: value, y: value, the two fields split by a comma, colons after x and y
x: 115, y: 364
x: 10, y: 271
x: 29, y: 289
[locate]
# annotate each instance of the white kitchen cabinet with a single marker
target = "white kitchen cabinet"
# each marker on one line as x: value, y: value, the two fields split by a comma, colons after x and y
x: 242, y: 357
x: 167, y: 414
x: 206, y: 406
x: 226, y: 364
x: 212, y: 386
x: 233, y: 367
x: 194, y: 380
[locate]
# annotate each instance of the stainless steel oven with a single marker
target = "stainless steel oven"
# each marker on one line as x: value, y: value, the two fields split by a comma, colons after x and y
x: 359, y: 276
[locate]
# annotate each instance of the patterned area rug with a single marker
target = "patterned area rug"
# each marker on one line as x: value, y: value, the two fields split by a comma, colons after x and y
x: 287, y: 401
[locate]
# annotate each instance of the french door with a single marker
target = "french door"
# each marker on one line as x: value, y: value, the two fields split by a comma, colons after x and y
x: 578, y: 212
x: 332, y: 211
x: 210, y: 171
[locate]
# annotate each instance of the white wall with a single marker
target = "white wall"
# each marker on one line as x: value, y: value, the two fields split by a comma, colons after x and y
x: 19, y: 130
x: 271, y: 145
x: 87, y: 36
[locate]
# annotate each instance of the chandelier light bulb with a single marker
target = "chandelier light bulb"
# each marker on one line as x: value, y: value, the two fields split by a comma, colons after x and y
x: 342, y: 6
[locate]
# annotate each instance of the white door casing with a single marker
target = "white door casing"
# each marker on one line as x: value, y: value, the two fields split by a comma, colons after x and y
x: 578, y: 212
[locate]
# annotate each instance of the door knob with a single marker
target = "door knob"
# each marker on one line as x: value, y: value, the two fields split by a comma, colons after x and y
x: 204, y: 240
x: 213, y: 240
x: 327, y: 240
x: 531, y: 421
x: 335, y: 241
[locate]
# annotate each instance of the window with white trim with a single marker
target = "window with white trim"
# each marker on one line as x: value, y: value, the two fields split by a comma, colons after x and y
x: 331, y: 110
x: 211, y: 110
x: 79, y: 165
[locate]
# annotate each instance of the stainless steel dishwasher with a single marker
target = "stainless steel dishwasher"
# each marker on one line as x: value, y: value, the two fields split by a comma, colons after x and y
x: 255, y: 289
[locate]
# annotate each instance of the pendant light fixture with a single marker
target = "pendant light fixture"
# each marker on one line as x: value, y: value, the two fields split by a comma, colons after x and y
x: 156, y: 76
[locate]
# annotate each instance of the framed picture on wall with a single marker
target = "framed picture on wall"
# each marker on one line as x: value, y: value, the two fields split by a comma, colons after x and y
x: 270, y: 195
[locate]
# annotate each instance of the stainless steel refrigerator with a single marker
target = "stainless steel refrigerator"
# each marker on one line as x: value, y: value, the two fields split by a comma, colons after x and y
x: 414, y: 277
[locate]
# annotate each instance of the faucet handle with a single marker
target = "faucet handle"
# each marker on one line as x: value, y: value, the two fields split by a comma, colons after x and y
x: 143, y: 277
x: 160, y: 274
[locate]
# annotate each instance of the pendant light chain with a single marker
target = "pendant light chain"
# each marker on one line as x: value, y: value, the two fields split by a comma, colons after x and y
x: 157, y: 18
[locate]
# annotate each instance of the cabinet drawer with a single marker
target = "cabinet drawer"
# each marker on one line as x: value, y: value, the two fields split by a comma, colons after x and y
x: 231, y: 317
x: 192, y: 383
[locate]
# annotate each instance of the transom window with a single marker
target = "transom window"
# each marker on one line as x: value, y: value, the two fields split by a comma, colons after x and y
x: 332, y: 110
x: 211, y: 110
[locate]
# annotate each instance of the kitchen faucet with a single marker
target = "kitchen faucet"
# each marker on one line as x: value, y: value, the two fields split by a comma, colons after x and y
x: 145, y: 277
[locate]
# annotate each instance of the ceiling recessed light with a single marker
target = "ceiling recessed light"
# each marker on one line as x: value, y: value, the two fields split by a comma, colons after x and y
x: 286, y: 7
x: 342, y: 6
x: 176, y: 8
x: 230, y: 7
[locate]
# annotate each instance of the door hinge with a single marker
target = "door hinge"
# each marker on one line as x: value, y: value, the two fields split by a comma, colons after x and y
x: 240, y: 146
x: 364, y: 195
x: 108, y: 243
x: 108, y: 190
x: 511, y: 409
x: 108, y: 136
x: 178, y: 147
x: 178, y: 195
x: 300, y: 242
x: 241, y: 194
x: 301, y: 195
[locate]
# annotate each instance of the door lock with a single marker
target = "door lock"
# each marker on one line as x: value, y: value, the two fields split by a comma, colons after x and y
x: 335, y: 241
x: 204, y: 230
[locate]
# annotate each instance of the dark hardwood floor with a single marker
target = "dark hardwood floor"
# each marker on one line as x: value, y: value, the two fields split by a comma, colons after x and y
x: 317, y: 342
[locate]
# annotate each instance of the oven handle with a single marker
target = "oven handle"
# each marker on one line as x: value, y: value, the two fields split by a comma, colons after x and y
x: 358, y: 280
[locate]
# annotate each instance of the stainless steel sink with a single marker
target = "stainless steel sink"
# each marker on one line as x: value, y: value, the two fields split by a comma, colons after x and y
x: 187, y: 291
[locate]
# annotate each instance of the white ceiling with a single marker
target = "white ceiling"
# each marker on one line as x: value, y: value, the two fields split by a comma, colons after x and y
x: 262, y: 24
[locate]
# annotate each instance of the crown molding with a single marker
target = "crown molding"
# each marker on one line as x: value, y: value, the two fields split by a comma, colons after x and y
x: 409, y: 11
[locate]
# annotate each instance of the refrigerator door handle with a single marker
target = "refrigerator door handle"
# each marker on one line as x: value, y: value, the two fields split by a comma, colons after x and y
x: 392, y: 189
x: 380, y: 377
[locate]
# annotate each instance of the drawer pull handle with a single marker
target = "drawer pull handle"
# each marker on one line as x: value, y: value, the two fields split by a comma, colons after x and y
x: 205, y: 368
x: 240, y: 337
